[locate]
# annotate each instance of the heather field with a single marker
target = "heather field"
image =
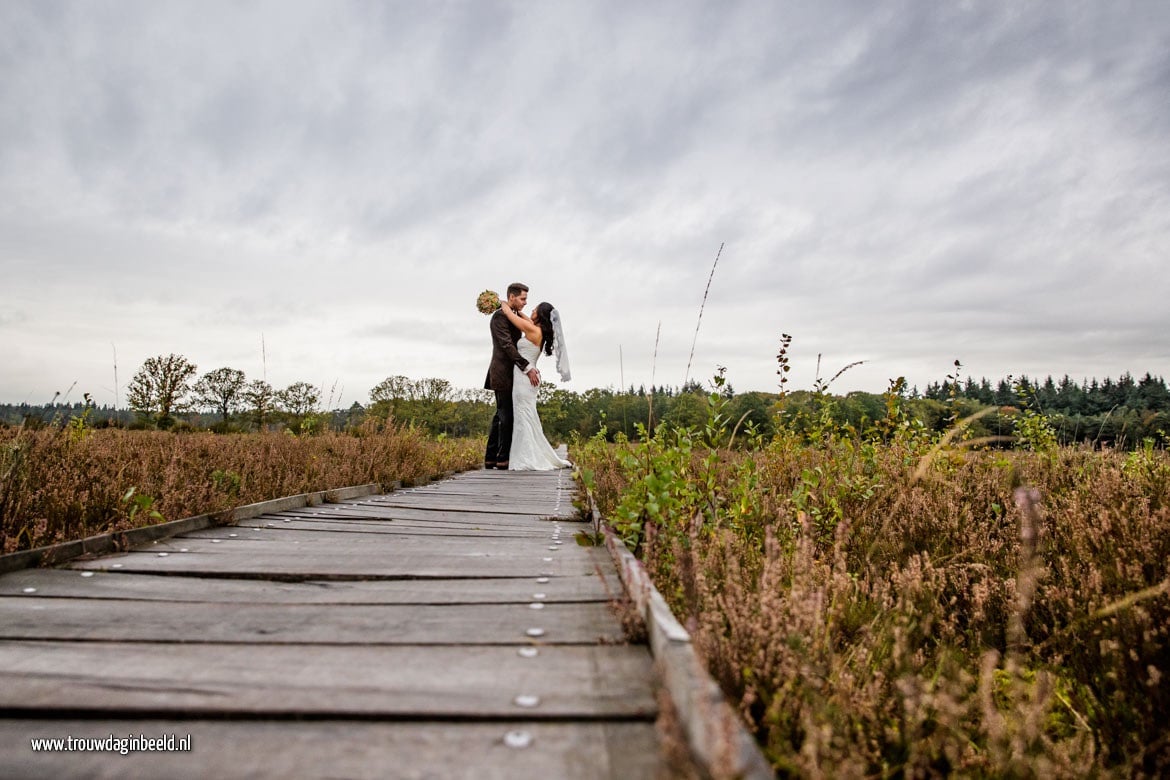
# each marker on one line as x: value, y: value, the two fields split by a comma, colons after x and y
x: 877, y: 600
x: 59, y: 484
x: 909, y: 604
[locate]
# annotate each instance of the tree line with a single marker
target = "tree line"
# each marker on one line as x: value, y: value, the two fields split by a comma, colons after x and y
x: 1065, y: 396
x: 1122, y: 413
x: 168, y: 393
x: 165, y: 393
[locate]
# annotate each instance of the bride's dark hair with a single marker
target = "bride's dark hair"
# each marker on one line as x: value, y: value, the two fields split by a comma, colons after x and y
x: 544, y: 320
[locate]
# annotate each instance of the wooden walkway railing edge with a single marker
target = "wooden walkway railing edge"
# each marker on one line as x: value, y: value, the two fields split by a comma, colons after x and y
x: 718, y: 740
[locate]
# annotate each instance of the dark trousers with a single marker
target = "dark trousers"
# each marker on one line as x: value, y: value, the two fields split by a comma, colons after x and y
x: 500, y: 436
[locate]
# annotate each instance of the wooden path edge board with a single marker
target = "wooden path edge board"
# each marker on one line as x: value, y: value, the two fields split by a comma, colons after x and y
x: 99, y: 544
x: 718, y: 740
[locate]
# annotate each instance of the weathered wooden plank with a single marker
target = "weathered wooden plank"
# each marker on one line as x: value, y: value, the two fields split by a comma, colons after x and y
x: 351, y: 749
x: 355, y: 530
x: 58, y: 583
x: 486, y: 494
x: 559, y: 475
x: 494, y: 491
x: 425, y: 515
x: 240, y: 560
x: 396, y: 528
x: 152, y: 621
x: 278, y: 540
x: 507, y: 500
x: 444, y: 504
x: 526, y: 481
x: 407, y: 512
x: 325, y: 680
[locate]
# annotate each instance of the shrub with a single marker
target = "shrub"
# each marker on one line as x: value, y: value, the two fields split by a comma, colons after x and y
x: 55, y: 486
x: 915, y: 607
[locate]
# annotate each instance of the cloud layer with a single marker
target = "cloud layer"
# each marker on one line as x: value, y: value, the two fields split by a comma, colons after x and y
x: 903, y: 183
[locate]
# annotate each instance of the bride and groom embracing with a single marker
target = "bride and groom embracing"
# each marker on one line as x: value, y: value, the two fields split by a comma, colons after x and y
x: 516, y: 440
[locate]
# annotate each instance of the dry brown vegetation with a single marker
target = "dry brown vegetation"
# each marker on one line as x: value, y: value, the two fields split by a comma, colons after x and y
x: 62, y: 484
x: 911, y: 609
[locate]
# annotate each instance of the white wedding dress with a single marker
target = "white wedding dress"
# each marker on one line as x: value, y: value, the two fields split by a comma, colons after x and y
x: 530, y: 449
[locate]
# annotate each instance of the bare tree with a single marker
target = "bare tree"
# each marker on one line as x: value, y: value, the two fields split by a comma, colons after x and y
x: 260, y: 399
x: 394, y: 388
x: 160, y: 387
x: 299, y: 400
x: 222, y: 390
x: 433, y: 390
x: 391, y: 395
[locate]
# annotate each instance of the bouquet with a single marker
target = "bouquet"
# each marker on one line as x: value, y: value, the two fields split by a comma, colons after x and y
x: 487, y: 302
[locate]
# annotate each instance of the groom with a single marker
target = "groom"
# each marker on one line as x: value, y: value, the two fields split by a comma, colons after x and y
x: 499, y: 377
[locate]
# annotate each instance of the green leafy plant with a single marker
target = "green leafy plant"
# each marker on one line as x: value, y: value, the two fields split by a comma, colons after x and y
x: 1034, y: 430
x: 226, y: 482
x: 1149, y: 468
x: 140, y: 503
x: 78, y: 426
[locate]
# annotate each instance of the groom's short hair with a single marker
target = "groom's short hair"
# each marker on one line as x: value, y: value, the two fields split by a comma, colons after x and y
x: 515, y: 288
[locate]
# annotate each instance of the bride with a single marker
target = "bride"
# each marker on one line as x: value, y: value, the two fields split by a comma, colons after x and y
x: 542, y: 333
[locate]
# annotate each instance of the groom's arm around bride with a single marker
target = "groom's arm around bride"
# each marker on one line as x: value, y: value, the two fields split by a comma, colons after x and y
x: 499, y: 377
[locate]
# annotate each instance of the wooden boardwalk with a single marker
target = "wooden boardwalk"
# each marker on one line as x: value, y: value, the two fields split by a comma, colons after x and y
x: 451, y: 630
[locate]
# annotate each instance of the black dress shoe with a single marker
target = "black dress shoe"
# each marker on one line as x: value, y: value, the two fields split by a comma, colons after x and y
x: 502, y: 465
x: 487, y: 465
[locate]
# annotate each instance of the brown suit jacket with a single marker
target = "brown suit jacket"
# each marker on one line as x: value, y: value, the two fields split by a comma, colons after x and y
x: 504, y: 353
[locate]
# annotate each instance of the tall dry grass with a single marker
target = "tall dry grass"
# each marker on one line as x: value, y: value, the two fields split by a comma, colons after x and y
x: 62, y: 484
x: 877, y: 611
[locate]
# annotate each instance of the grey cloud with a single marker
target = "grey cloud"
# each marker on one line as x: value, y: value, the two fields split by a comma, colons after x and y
x: 967, y: 172
x: 397, y: 327
x: 12, y: 317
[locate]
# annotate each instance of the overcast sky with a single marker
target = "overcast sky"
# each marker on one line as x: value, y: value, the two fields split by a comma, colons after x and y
x: 904, y: 183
